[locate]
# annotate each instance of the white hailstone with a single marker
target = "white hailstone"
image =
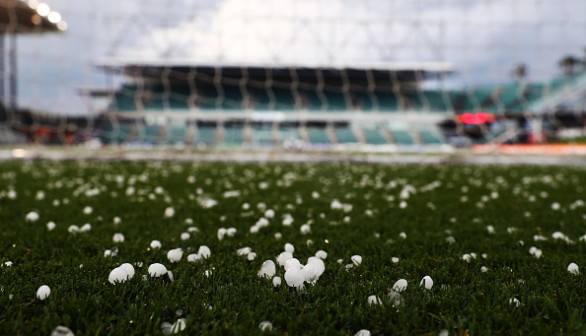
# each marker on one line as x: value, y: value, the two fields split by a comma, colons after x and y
x: 573, y: 269
x: 262, y: 222
x: 270, y: 213
x: 340, y: 261
x: 231, y: 232
x: 207, y: 273
x: 403, y: 235
x: 314, y: 194
x: 170, y: 275
x: 310, y: 273
x: 490, y: 229
x: 293, y: 262
x: 245, y: 206
x: 467, y: 257
x: 118, y: 274
x: 374, y: 300
x: 582, y: 238
x: 221, y: 233
x: 251, y: 256
x: 511, y: 230
x: 117, y: 220
x: 276, y: 281
x: 426, y: 282
x: 178, y: 326
x: 254, y: 229
x: 309, y: 242
x: 185, y: 236
x: 62, y: 331
x: 85, y: 228
x: 356, y: 260
x: 289, y: 248
x: 403, y: 205
x: 118, y: 238
x: 88, y: 210
x: 268, y: 269
x: 8, y: 264
x: 169, y: 212
x: 194, y: 257
x: 265, y: 326
x: 305, y: 229
x: 484, y: 256
x: 317, y: 264
x: 73, y: 229
x: 278, y: 235
x: 483, y: 269
x: 191, y: 229
x: 555, y: 206
x: 43, y: 292
x: 362, y: 332
x: 156, y: 270
x: 294, y: 277
x: 243, y: 251
x: 395, y: 260
x: 51, y: 226
x: 129, y: 269
x: 514, y: 301
x: 539, y: 238
x: 443, y: 332
x: 534, y: 251
x: 204, y: 252
x: 107, y: 253
x: 400, y: 285
x: 155, y: 244
x: 11, y: 194
x: 32, y: 216
x: 321, y: 254
x: 283, y: 257
x: 287, y: 220
x: 349, y: 266
x: 175, y: 255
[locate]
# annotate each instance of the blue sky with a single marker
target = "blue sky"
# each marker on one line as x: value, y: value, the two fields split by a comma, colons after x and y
x: 484, y: 39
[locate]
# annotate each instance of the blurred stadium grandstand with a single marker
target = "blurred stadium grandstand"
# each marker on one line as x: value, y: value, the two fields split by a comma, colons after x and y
x: 331, y: 103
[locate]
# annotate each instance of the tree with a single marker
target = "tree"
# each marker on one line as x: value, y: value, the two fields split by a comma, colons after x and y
x: 569, y: 64
x: 520, y: 72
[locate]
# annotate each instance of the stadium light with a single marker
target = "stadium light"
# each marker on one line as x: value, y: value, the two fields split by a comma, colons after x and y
x: 43, y: 9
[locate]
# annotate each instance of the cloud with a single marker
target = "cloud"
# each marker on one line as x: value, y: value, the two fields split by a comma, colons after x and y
x: 484, y: 39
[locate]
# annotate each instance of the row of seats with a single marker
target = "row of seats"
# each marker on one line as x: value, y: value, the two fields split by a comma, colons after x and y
x: 514, y: 97
x: 232, y: 98
x: 266, y: 135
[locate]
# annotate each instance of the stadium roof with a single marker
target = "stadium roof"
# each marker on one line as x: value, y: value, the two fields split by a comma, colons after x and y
x: 178, y: 70
x: 439, y: 67
x: 32, y: 16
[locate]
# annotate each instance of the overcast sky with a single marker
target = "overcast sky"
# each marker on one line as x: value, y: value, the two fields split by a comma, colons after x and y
x: 483, y: 39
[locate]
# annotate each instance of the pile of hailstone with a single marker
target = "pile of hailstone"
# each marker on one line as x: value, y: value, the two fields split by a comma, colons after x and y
x: 296, y: 273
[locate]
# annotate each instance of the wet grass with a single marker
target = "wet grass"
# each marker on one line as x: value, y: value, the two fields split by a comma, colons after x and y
x: 456, y: 201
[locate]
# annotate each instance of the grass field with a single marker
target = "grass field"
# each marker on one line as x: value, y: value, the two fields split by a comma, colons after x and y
x: 470, y: 229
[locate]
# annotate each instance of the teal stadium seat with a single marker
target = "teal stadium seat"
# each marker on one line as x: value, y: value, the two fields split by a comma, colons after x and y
x: 318, y: 135
x: 262, y: 135
x: 234, y: 135
x: 206, y: 135
x: 402, y: 137
x: 431, y: 137
x: 344, y: 135
x: 176, y: 134
x: 372, y: 136
x: 289, y: 133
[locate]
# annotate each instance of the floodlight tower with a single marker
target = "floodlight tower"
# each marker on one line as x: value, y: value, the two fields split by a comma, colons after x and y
x: 21, y: 17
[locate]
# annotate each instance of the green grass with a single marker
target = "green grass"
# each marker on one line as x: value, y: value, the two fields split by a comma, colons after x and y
x: 234, y: 300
